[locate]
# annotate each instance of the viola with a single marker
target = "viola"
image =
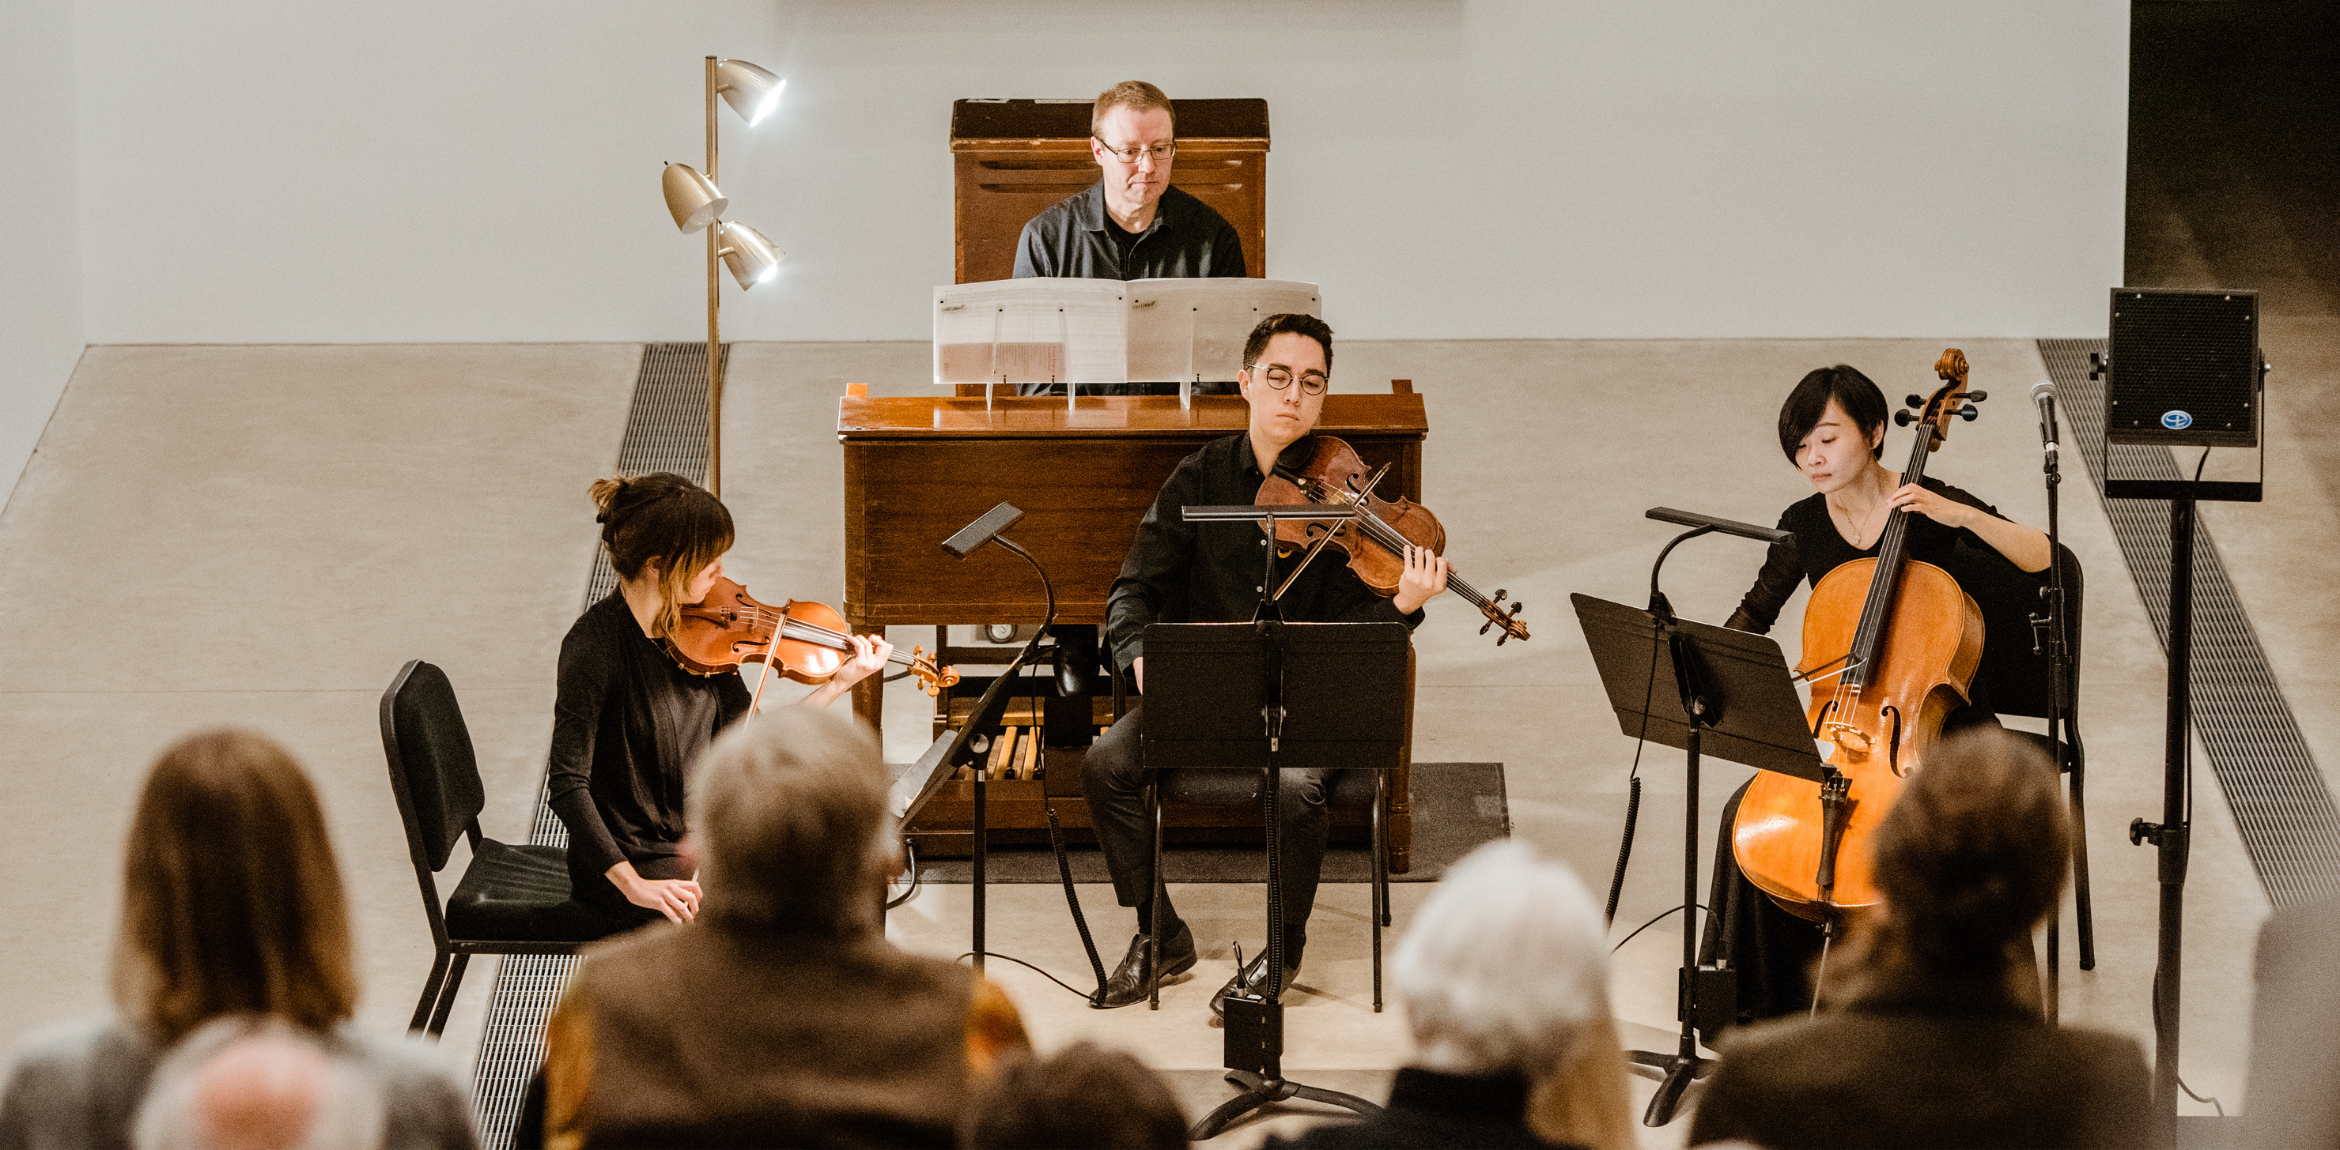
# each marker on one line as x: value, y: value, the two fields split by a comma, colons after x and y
x: 1376, y: 540
x: 1891, y: 646
x: 728, y: 628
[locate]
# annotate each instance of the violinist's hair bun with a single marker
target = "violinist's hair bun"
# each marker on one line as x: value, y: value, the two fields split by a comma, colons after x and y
x: 605, y: 494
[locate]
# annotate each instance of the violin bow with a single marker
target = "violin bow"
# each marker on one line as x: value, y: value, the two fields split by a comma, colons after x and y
x: 756, y: 701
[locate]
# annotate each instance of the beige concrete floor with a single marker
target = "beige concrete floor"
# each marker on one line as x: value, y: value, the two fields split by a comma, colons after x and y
x: 277, y: 528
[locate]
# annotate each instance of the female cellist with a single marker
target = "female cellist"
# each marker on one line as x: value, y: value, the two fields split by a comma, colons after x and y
x: 628, y: 720
x: 1832, y: 428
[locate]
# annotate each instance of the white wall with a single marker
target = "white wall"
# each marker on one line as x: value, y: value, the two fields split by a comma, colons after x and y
x: 436, y: 170
x: 40, y: 224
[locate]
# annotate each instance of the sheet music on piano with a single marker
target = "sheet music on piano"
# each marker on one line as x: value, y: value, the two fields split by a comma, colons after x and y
x: 1076, y: 331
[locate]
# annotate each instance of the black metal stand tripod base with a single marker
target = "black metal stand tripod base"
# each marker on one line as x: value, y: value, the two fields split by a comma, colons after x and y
x: 1675, y: 1073
x: 1261, y: 1092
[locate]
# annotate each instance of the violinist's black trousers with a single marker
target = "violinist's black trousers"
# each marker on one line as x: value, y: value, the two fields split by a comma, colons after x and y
x: 1114, y: 782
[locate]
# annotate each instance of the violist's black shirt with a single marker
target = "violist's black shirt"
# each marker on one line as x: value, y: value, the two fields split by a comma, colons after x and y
x: 628, y: 723
x: 1819, y: 548
x: 1180, y: 572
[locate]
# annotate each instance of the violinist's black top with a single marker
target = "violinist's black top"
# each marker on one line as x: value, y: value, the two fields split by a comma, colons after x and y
x: 1180, y: 572
x: 628, y: 723
x: 1820, y: 548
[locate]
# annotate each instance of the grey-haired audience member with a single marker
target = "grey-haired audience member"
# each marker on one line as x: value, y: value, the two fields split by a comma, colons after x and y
x: 1932, y: 1035
x: 1505, y: 979
x: 1084, y: 1097
x: 231, y: 906
x: 257, y: 1084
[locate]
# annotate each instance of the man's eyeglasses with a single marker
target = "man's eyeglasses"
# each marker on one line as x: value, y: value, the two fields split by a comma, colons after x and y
x: 1311, y: 382
x: 1160, y: 152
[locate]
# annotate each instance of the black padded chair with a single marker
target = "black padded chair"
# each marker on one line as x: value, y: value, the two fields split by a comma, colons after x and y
x: 511, y: 899
x: 2021, y: 684
x: 1345, y: 789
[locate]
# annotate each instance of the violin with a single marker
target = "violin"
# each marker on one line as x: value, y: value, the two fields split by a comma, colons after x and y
x: 1891, y: 645
x: 1376, y: 540
x: 728, y: 628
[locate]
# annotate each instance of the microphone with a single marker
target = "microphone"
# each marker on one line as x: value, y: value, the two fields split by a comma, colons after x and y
x: 2043, y: 397
x: 1726, y: 526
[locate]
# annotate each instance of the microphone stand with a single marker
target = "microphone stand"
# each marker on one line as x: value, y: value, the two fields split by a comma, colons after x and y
x: 2048, y: 638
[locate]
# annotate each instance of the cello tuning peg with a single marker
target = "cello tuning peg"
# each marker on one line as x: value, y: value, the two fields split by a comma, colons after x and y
x: 1500, y: 638
x: 1977, y: 396
x: 1499, y: 594
x: 1915, y: 400
x: 1968, y: 414
x: 1903, y: 419
x: 1483, y: 626
x: 1516, y: 608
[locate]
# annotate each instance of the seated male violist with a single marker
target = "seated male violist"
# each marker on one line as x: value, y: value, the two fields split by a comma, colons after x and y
x: 1180, y: 572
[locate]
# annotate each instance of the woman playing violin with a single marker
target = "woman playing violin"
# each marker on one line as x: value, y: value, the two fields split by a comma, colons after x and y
x: 628, y: 720
x: 1832, y: 428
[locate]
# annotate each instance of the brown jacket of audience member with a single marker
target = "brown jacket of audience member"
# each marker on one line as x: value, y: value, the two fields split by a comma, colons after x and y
x: 700, y: 1036
x: 1926, y: 1068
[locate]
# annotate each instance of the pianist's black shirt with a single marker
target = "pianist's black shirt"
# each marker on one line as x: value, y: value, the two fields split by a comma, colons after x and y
x: 1074, y: 238
x: 628, y: 723
x: 1180, y: 572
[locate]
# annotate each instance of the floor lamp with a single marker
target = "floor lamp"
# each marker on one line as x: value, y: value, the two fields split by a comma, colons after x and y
x: 697, y: 204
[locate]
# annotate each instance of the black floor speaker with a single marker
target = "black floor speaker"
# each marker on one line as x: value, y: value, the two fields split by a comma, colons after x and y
x: 2184, y: 368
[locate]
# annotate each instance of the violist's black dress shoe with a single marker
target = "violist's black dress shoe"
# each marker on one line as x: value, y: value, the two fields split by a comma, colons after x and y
x: 1251, y: 978
x: 1130, y: 983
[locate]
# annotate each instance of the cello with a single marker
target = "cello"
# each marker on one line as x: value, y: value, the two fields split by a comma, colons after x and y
x: 1891, y: 646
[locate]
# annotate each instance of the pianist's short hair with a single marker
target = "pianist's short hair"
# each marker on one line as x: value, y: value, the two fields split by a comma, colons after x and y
x: 1288, y: 323
x: 1133, y: 94
x: 787, y: 816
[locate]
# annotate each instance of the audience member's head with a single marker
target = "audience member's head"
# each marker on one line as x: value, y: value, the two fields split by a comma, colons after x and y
x: 1084, y: 1096
x: 250, y: 1083
x: 231, y: 900
x: 789, y: 826
x: 1505, y: 971
x: 1971, y: 859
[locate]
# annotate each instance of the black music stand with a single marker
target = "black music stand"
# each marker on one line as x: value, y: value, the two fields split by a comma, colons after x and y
x: 1732, y: 697
x: 1263, y: 696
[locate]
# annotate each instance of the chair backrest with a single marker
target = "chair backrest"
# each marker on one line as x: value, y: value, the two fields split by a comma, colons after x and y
x: 2020, y: 682
x: 432, y: 769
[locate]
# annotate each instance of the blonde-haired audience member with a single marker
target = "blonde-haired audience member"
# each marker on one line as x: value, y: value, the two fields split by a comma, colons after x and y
x: 779, y: 1015
x: 1083, y: 1097
x: 1934, y: 1036
x: 1504, y: 975
x: 231, y: 905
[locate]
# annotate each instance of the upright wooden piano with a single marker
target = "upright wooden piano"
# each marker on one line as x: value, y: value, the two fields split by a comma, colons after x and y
x: 918, y: 469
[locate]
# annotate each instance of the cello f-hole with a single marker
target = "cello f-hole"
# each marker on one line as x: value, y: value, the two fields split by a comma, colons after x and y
x: 1893, y: 748
x: 1821, y: 720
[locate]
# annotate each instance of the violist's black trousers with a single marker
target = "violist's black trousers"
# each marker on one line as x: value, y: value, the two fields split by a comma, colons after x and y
x: 1114, y: 782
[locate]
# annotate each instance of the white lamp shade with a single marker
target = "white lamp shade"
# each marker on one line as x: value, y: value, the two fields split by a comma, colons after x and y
x: 751, y: 258
x: 693, y: 198
x: 751, y: 91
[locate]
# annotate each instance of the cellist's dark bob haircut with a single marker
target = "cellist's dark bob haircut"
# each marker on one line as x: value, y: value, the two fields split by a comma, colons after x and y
x: 1851, y: 390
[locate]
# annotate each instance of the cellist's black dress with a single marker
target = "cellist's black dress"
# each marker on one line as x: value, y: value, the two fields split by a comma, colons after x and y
x: 1773, y: 950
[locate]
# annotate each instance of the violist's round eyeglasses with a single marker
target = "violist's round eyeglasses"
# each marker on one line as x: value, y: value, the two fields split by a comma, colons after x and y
x: 1311, y: 382
x: 1160, y: 152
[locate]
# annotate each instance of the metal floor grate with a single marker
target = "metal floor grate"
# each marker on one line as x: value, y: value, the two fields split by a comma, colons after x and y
x: 666, y: 430
x: 2282, y: 805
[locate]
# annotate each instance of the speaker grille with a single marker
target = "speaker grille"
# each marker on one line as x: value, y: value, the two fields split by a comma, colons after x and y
x: 2185, y: 368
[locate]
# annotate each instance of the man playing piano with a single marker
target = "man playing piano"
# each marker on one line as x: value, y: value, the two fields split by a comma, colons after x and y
x: 1178, y: 572
x: 1131, y: 224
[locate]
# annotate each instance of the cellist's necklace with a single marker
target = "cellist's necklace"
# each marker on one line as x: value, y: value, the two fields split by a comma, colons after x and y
x: 1858, y: 531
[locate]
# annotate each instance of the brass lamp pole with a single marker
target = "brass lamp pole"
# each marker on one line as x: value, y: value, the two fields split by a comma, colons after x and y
x: 696, y: 203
